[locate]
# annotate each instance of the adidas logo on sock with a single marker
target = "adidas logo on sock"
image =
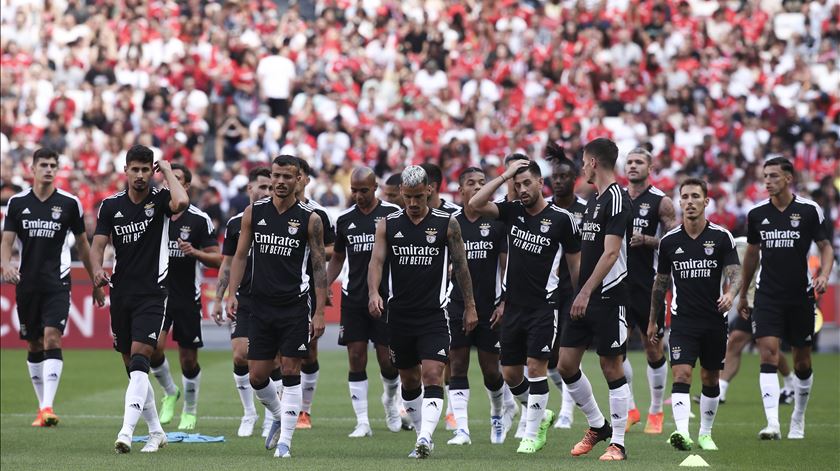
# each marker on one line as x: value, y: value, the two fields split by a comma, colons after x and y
x: 710, y: 413
x: 615, y: 344
x: 36, y: 378
x: 241, y: 388
x: 26, y: 211
x: 616, y: 416
x: 459, y: 393
x: 153, y: 336
x: 433, y: 404
x: 302, y: 348
x: 765, y: 395
x: 262, y: 223
x: 442, y: 352
x: 410, y: 410
x: 354, y: 398
x: 291, y: 412
x: 545, y: 349
x: 679, y: 403
x: 190, y: 390
x: 398, y: 235
x: 535, y: 406
x: 659, y: 387
x: 52, y: 376
x: 679, y: 251
x: 351, y: 226
x: 135, y: 405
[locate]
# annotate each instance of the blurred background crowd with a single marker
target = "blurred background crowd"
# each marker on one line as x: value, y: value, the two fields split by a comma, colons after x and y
x: 711, y: 88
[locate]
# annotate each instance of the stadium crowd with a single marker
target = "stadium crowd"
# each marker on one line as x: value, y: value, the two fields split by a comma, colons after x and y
x: 711, y: 88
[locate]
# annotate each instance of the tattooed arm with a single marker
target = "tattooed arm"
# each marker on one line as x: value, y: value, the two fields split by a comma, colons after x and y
x: 733, y: 277
x: 462, y: 273
x: 661, y: 284
x: 319, y: 273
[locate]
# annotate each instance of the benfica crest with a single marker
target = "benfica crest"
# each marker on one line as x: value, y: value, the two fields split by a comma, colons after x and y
x: 185, y: 232
x: 294, y: 224
x: 149, y: 210
x: 484, y: 229
x: 431, y: 235
x: 675, y: 352
x: 56, y: 212
x: 794, y: 219
x: 545, y: 225
x: 709, y: 247
x: 643, y: 209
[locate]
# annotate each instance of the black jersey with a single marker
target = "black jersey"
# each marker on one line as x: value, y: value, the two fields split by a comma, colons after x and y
x: 785, y: 238
x: 418, y: 263
x: 449, y: 206
x: 565, y: 285
x: 642, y: 261
x: 606, y: 214
x: 280, y: 252
x: 193, y: 226
x: 140, y: 235
x: 484, y: 240
x: 329, y: 239
x: 355, y: 233
x: 696, y: 265
x: 232, y: 230
x: 43, y: 228
x: 536, y: 245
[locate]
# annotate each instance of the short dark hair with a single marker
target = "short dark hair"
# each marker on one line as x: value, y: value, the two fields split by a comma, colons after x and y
x: 468, y: 171
x: 305, y: 167
x: 258, y: 172
x: 604, y: 150
x: 44, y: 153
x: 693, y: 181
x: 287, y: 161
x: 139, y: 153
x: 532, y: 167
x: 183, y: 168
x: 394, y: 180
x: 434, y: 174
x: 516, y: 156
x: 781, y: 162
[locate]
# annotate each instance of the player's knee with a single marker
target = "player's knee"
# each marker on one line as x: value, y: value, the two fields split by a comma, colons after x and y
x: 612, y: 366
x: 357, y: 358
x: 802, y: 368
x: 567, y: 369
x: 35, y: 346
x: 240, y: 358
x: 432, y: 376
x: 138, y: 363
x: 310, y: 367
x: 682, y: 376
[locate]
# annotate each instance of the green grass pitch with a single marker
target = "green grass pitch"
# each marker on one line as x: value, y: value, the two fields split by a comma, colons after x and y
x: 90, y: 403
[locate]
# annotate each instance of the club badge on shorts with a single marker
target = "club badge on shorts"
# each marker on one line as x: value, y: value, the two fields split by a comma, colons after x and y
x: 675, y: 352
x: 294, y: 224
x: 484, y: 229
x: 431, y: 235
x: 56, y: 212
x: 709, y: 247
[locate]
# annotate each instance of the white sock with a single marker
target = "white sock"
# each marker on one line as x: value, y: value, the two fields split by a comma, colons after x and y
x: 681, y: 406
x: 291, y: 406
x: 724, y: 385
x: 460, y: 399
x: 246, y: 394
x: 278, y: 387
x: 496, y: 401
x: 619, y: 404
x: 269, y: 398
x: 308, y: 383
x: 555, y: 378
x: 769, y: 384
x: 567, y: 409
x: 390, y: 386
x: 657, y: 377
x: 150, y: 413
x: 135, y: 398
x: 789, y: 384
x: 359, y: 399
x: 431, y: 416
x: 508, y: 399
x: 191, y: 393
x: 414, y: 408
x: 448, y: 403
x: 708, y: 410
x: 164, y: 377
x: 537, y: 402
x: 36, y: 375
x: 581, y: 392
x: 803, y: 393
x: 628, y: 374
x: 52, y: 376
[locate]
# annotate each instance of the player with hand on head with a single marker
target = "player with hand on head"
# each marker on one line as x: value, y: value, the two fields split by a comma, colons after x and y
x: 697, y: 255
x: 539, y: 236
x: 192, y: 239
x: 781, y: 229
x: 45, y: 219
x: 136, y: 221
x: 259, y: 187
x: 283, y: 234
x: 416, y: 244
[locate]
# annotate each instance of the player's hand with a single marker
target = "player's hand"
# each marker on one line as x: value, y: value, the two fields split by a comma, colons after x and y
x: 187, y: 248
x: 375, y: 306
x: 163, y: 166
x: 514, y: 167
x: 579, y: 305
x: 820, y: 284
x: 743, y: 308
x: 496, y: 317
x: 724, y: 303
x: 99, y: 296
x: 638, y: 240
x: 232, y: 307
x: 317, y: 326
x: 470, y: 319
x: 11, y: 274
x: 217, y: 315
x: 653, y: 333
x: 100, y: 279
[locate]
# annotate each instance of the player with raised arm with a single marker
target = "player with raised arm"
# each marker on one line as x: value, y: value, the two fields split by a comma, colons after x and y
x: 45, y: 219
x: 697, y: 255
x: 599, y: 311
x: 259, y: 187
x: 653, y: 215
x: 136, y: 221
x: 486, y: 250
x: 283, y: 234
x: 355, y: 233
x: 192, y: 239
x: 539, y: 236
x: 415, y: 244
x: 781, y: 229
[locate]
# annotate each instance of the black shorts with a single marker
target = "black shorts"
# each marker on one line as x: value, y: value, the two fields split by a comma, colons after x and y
x: 562, y: 318
x: 527, y: 332
x: 186, y: 319
x: 409, y: 349
x: 482, y: 337
x: 790, y: 320
x: 638, y: 311
x: 605, y: 323
x: 704, y: 341
x: 39, y: 310
x: 279, y: 329
x: 239, y: 327
x: 357, y: 325
x: 279, y: 107
x: 136, y: 318
x: 739, y: 323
